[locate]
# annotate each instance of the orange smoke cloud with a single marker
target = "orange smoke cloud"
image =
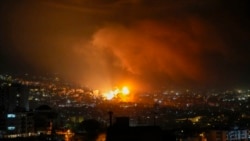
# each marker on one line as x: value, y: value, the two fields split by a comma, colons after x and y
x: 152, y: 47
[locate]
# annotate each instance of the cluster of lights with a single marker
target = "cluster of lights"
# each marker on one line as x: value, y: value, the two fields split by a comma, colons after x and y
x: 114, y: 93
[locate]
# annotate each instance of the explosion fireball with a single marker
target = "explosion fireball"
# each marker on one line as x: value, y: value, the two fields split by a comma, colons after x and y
x: 122, y: 94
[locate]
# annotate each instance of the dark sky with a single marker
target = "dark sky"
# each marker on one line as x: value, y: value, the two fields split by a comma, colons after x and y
x: 141, y: 43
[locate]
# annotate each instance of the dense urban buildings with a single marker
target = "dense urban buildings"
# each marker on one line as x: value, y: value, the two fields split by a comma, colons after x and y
x: 34, y: 106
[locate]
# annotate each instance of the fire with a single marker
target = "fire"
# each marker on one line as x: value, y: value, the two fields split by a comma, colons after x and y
x: 117, y: 93
x: 109, y: 95
x: 125, y: 90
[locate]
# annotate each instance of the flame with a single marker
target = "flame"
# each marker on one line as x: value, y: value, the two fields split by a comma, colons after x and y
x: 109, y: 95
x: 125, y: 90
x: 122, y: 94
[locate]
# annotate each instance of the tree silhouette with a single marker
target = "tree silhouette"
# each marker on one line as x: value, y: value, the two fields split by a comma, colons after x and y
x: 90, y: 126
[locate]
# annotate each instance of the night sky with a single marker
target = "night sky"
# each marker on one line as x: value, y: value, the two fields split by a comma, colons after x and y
x: 141, y: 43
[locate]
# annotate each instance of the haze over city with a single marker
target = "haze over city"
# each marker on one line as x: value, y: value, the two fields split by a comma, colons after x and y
x: 108, y: 70
x: 142, y: 44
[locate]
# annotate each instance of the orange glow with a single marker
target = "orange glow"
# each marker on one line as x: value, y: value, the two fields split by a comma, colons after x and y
x: 125, y: 90
x: 121, y: 94
x: 166, y: 47
x: 109, y: 95
x: 101, y: 137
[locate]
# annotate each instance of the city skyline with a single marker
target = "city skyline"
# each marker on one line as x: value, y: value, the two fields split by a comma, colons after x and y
x: 138, y: 43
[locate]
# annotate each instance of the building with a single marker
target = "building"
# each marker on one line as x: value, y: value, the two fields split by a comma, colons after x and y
x: 14, y: 106
x: 19, y: 125
x: 121, y: 131
x: 227, y: 135
x: 45, y: 119
x: 14, y: 97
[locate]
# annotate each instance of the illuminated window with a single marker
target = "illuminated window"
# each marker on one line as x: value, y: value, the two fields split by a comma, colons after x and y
x: 11, y: 115
x: 11, y: 127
